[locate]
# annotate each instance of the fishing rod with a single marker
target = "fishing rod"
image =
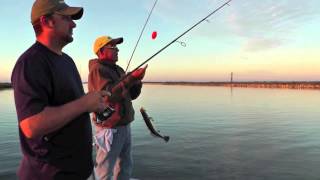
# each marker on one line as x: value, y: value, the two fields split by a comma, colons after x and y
x: 182, y: 43
x: 144, y: 26
x: 109, y: 110
x: 166, y: 46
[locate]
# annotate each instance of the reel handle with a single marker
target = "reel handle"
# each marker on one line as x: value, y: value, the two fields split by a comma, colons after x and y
x: 105, y: 115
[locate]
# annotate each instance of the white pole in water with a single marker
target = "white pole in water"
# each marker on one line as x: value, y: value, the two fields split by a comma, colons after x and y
x: 231, y: 79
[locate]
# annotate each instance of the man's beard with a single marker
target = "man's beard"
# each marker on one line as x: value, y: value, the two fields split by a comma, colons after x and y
x: 68, y: 39
x: 65, y: 38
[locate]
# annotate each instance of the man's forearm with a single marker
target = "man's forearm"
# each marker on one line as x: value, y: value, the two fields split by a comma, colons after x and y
x: 51, y: 119
x: 117, y: 92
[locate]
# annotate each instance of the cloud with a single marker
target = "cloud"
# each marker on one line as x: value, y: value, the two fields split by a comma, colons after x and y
x: 272, y: 20
x: 259, y: 44
x: 256, y: 18
x: 269, y: 23
x: 183, y: 11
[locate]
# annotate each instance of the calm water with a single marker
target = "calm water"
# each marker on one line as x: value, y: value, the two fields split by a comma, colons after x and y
x: 216, y: 133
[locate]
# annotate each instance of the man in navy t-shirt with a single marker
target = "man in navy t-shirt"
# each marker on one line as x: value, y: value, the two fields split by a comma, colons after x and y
x: 52, y: 109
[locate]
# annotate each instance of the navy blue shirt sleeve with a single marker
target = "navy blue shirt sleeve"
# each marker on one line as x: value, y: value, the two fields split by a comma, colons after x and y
x: 32, y: 87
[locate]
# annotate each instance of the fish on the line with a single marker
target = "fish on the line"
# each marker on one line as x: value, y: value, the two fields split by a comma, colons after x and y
x: 150, y: 126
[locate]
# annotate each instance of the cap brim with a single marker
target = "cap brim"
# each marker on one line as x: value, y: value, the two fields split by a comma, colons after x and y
x: 116, y: 41
x: 75, y: 12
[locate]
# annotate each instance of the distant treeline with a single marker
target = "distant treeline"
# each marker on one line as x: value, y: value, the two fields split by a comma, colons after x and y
x: 5, y: 85
x: 251, y: 84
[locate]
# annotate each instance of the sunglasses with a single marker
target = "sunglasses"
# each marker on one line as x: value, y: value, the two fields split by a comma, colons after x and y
x: 111, y: 47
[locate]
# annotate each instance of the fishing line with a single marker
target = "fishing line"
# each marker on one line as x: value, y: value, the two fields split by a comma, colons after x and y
x: 144, y: 26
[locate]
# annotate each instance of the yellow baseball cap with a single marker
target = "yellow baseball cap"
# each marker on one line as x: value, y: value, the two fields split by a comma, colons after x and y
x: 104, y: 40
x: 44, y: 7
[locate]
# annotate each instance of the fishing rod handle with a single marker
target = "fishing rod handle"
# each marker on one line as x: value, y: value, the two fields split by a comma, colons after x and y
x: 114, y: 93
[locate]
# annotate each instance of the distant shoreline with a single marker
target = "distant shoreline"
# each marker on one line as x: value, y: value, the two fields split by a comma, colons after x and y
x: 5, y: 85
x: 248, y: 84
x: 251, y: 84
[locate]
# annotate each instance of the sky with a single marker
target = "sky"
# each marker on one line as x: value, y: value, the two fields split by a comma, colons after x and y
x: 269, y: 40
